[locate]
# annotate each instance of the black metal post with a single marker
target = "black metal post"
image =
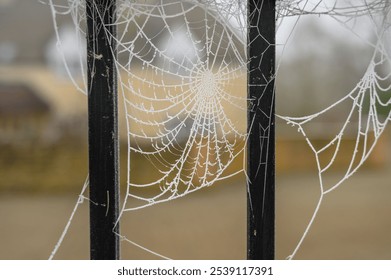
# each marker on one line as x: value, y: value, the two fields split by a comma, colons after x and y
x: 103, y: 129
x: 261, y: 146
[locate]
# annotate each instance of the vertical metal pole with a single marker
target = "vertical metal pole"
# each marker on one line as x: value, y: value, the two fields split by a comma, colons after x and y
x: 261, y: 151
x: 103, y: 129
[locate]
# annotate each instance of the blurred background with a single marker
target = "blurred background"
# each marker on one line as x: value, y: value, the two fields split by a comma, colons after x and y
x: 43, y: 157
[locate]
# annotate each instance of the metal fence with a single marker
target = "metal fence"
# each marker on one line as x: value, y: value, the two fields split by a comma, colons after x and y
x: 103, y: 129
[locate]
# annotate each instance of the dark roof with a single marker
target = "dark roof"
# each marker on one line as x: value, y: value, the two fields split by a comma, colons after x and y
x: 18, y: 100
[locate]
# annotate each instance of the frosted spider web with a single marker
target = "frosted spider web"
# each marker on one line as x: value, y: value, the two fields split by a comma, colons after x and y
x: 367, y: 105
x: 182, y: 70
x: 181, y: 105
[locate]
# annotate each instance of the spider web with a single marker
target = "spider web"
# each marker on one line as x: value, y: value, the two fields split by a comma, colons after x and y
x: 182, y: 68
x: 367, y: 107
x: 182, y: 105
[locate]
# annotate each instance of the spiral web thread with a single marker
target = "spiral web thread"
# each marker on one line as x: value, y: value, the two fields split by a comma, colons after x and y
x: 180, y: 107
x: 182, y: 70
